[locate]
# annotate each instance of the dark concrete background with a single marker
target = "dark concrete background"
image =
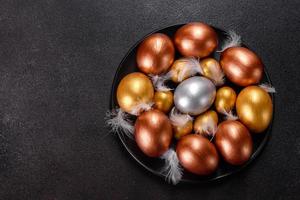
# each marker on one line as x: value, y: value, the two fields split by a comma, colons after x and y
x: 57, y: 62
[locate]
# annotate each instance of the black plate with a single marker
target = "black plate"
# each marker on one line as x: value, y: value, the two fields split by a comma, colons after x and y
x: 154, y: 165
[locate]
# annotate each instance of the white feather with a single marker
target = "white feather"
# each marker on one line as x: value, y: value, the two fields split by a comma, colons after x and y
x: 229, y: 115
x: 192, y: 67
x: 159, y: 82
x: 119, y: 122
x: 141, y: 107
x: 232, y: 40
x: 217, y: 76
x: 209, y: 128
x: 268, y: 88
x: 178, y: 119
x: 172, y: 168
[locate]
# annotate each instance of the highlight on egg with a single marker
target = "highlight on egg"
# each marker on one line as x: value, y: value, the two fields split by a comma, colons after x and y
x: 206, y: 123
x: 225, y: 99
x: 196, y: 39
x: 194, y: 95
x: 155, y: 54
x: 254, y: 108
x: 234, y: 142
x: 197, y: 154
x: 133, y: 90
x: 153, y: 133
x: 163, y: 100
x: 241, y: 66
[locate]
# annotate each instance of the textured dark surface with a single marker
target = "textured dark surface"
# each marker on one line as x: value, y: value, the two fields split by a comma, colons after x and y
x: 57, y: 62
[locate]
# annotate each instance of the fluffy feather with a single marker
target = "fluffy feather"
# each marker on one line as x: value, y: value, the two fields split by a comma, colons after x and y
x: 229, y: 115
x: 233, y: 40
x: 178, y: 119
x: 159, y: 82
x: 210, y: 128
x: 192, y: 67
x: 119, y: 122
x: 172, y: 168
x: 218, y: 76
x: 268, y: 88
x: 141, y: 107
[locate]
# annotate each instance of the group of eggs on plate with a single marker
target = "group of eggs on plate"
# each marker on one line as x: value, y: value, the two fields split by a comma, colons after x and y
x: 203, y: 97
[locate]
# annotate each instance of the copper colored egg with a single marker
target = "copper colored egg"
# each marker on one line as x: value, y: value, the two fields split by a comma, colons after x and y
x: 241, y: 66
x: 153, y: 133
x: 234, y: 142
x: 196, y: 40
x: 155, y: 54
x: 197, y: 154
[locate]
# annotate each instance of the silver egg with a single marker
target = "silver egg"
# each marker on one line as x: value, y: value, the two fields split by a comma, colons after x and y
x: 194, y: 95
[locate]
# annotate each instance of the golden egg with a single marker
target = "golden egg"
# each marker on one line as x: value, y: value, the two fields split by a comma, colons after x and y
x: 209, y: 118
x: 212, y: 70
x: 225, y: 99
x: 163, y: 100
x: 177, y: 68
x: 180, y: 131
x: 254, y: 108
x: 135, y: 88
